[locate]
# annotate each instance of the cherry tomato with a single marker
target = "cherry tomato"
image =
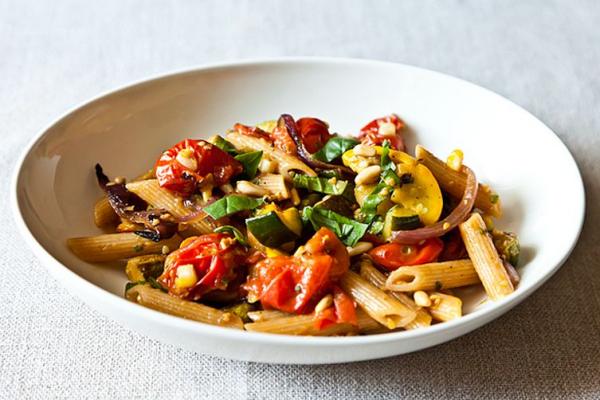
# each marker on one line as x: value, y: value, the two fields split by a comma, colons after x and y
x: 294, y: 284
x: 313, y: 132
x: 343, y: 310
x: 252, y: 131
x: 209, y: 261
x: 371, y: 135
x: 199, y: 158
x: 392, y: 256
x: 454, y: 247
x: 283, y: 141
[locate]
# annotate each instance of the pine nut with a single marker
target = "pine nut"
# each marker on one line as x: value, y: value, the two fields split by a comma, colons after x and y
x: 368, y: 175
x: 359, y: 248
x: 422, y: 299
x: 324, y: 303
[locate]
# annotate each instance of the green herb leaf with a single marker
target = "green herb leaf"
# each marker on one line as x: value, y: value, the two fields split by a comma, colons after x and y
x: 154, y: 283
x: 334, y: 148
x: 321, y: 185
x: 386, y: 161
x: 239, y: 236
x: 224, y: 145
x: 129, y: 285
x: 373, y: 200
x: 231, y: 204
x: 250, y: 162
x: 347, y: 230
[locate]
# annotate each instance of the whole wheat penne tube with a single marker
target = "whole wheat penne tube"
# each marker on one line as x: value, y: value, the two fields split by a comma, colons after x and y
x: 266, y: 315
x: 380, y: 306
x: 161, y: 301
x: 438, y: 275
x: 454, y: 182
x: 117, y: 246
x: 299, y: 325
x: 486, y: 260
x: 286, y: 163
x: 275, y: 185
x: 377, y: 278
x: 153, y: 194
x: 104, y: 215
x: 367, y: 325
x: 444, y: 307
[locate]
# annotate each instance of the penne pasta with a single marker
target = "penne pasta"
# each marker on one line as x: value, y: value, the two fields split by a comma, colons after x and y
x: 299, y: 325
x: 266, y: 315
x: 160, y: 301
x: 286, y: 162
x: 438, y: 275
x: 379, y: 305
x: 454, y: 182
x: 275, y: 185
x: 377, y: 278
x: 104, y: 215
x: 368, y: 325
x: 117, y: 246
x: 486, y: 260
x: 157, y: 197
x: 444, y: 307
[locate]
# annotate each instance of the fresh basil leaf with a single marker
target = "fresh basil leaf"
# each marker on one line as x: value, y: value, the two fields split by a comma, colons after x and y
x: 224, y: 145
x: 347, y: 230
x: 154, y: 283
x: 386, y: 162
x: 322, y: 185
x: 250, y: 162
x: 239, y: 236
x: 377, y: 196
x: 231, y: 204
x: 334, y: 148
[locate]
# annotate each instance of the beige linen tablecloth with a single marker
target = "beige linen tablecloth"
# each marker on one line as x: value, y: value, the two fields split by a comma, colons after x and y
x: 544, y: 55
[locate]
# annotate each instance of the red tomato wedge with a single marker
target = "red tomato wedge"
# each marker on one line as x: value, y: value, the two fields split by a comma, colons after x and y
x: 374, y: 134
x: 313, y: 132
x: 213, y: 259
x: 343, y: 311
x: 392, y: 256
x: 294, y: 284
x: 190, y: 161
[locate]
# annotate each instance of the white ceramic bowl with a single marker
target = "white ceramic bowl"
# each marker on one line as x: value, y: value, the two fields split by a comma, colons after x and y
x: 54, y: 185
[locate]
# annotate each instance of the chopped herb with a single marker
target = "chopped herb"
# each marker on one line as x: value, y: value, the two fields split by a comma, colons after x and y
x: 334, y: 148
x: 154, y: 283
x: 250, y: 162
x: 129, y: 285
x: 239, y: 236
x: 232, y: 204
x: 321, y: 185
x: 349, y: 231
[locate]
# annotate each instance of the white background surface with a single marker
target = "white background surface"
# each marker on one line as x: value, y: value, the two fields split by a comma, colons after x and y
x: 542, y: 55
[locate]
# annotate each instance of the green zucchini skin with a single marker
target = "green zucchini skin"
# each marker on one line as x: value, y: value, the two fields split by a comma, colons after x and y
x: 269, y: 230
x: 400, y: 219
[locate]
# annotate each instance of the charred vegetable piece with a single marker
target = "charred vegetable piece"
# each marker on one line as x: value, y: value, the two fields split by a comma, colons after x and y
x: 507, y: 245
x: 400, y: 219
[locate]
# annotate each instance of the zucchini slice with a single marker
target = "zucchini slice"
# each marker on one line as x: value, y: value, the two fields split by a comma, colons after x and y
x: 400, y: 219
x: 270, y: 230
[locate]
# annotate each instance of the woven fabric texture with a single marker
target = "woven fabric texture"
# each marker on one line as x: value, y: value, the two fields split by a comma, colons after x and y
x: 544, y: 55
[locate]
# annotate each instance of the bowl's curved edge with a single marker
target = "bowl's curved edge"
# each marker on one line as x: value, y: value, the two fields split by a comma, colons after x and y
x: 82, y: 288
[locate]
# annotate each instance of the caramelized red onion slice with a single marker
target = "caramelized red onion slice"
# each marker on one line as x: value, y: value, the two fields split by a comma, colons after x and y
x: 286, y: 120
x: 197, y: 211
x: 457, y: 216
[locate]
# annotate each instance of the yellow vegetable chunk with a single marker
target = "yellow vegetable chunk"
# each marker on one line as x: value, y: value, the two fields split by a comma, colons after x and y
x: 423, y: 195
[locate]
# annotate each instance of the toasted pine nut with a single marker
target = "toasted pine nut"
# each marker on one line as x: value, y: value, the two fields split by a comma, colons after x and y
x: 364, y: 150
x: 249, y: 188
x: 324, y: 303
x: 359, y: 248
x: 226, y: 188
x: 422, y: 299
x: 368, y: 175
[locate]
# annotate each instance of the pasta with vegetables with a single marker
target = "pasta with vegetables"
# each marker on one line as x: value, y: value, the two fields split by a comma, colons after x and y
x: 288, y: 228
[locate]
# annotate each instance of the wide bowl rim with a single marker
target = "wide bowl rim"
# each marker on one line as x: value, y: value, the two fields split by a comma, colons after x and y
x: 69, y: 279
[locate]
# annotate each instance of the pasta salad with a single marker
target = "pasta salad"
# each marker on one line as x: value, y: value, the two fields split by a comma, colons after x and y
x: 286, y: 227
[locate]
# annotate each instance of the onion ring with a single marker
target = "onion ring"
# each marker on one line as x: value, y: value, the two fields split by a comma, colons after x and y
x: 457, y: 216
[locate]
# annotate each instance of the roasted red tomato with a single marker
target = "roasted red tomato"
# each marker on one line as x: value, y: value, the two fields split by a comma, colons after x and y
x: 454, y: 247
x: 190, y: 161
x: 392, y: 256
x: 283, y: 141
x: 313, y: 132
x: 294, y: 284
x: 252, y: 131
x: 203, y: 264
x: 381, y: 129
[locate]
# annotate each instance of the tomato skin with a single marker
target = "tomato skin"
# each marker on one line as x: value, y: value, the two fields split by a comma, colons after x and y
x: 174, y: 176
x: 392, y: 256
x: 295, y: 284
x: 283, y: 141
x: 313, y: 132
x: 343, y: 311
x: 214, y: 257
x: 369, y: 134
x: 454, y: 247
x: 252, y: 131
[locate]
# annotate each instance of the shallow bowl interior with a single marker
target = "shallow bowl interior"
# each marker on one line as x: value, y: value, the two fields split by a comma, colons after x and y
x: 126, y: 130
